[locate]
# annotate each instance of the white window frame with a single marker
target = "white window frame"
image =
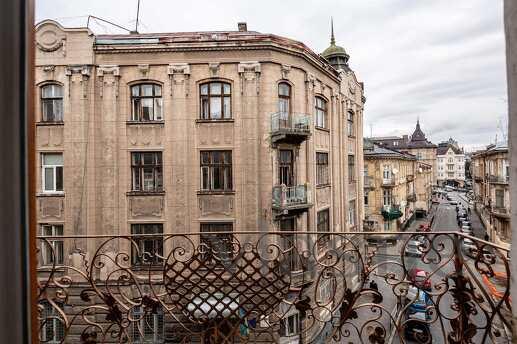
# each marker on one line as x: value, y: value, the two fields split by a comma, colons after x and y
x: 295, y: 330
x: 52, y: 318
x: 55, y: 243
x: 158, y: 336
x: 54, y: 174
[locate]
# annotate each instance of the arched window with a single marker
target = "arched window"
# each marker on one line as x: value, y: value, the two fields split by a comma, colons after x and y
x: 52, y: 103
x: 146, y: 102
x: 350, y: 125
x: 215, y: 100
x: 284, y: 98
x: 321, y: 113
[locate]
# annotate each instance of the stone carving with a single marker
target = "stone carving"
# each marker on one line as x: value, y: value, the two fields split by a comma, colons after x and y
x: 85, y: 72
x: 285, y: 69
x: 216, y: 205
x: 49, y: 38
x: 113, y: 70
x: 51, y: 207
x: 249, y: 71
x: 143, y: 69
x: 323, y: 196
x: 145, y: 135
x: 179, y: 73
x: 214, y: 68
x: 146, y: 206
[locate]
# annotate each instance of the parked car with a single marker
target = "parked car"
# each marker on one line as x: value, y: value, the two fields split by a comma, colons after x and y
x: 469, y: 247
x: 424, y: 227
x: 416, y: 326
x: 466, y: 230
x: 420, y: 278
x: 453, y: 202
x: 412, y: 248
x: 466, y: 223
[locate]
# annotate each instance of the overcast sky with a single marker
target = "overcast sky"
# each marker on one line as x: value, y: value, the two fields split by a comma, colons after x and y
x: 440, y: 60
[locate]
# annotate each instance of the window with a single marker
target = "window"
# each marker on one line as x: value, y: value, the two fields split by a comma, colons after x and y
x: 52, y: 103
x: 52, y: 249
x: 351, y: 213
x: 322, y: 169
x: 419, y: 155
x: 146, y: 102
x: 289, y: 243
x: 150, y: 249
x: 216, y: 247
x: 146, y: 170
x: 52, y: 326
x: 286, y: 167
x: 350, y: 125
x: 148, y: 326
x: 387, y: 225
x: 386, y: 173
x: 499, y: 198
x: 386, y: 197
x: 216, y: 170
x: 366, y: 193
x: 284, y: 98
x: 215, y: 100
x: 321, y: 113
x: 52, y: 172
x: 289, y: 326
x: 351, y: 168
x: 323, y: 225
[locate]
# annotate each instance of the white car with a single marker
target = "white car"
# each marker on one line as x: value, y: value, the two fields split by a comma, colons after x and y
x: 412, y: 248
x: 466, y: 230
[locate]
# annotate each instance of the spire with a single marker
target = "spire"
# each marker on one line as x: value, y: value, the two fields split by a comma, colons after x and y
x: 332, y: 39
x: 418, y: 122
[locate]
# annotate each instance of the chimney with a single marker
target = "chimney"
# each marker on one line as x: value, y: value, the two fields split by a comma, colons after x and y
x: 242, y: 26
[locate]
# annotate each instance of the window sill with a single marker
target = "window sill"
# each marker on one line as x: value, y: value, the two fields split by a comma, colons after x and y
x: 49, y: 123
x: 50, y: 194
x: 144, y: 122
x: 229, y: 192
x: 322, y: 129
x: 322, y: 186
x: 49, y: 268
x: 145, y: 193
x: 225, y: 120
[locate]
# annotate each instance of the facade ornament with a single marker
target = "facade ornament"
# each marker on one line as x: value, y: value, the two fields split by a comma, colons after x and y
x: 103, y: 70
x: 214, y: 68
x: 248, y: 71
x: 84, y: 70
x: 285, y: 69
x: 143, y: 69
x: 49, y: 69
x: 183, y: 72
x: 50, y: 38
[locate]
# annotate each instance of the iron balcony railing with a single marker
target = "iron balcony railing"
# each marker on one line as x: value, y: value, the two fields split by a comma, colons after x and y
x: 390, y: 181
x: 285, y: 197
x: 496, y: 179
x: 290, y: 127
x: 369, y: 182
x: 273, y: 287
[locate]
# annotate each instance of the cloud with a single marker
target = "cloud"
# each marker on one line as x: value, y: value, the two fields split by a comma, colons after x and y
x: 441, y: 60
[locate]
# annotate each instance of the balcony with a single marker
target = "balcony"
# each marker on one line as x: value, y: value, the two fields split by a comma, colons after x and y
x: 501, y: 212
x: 208, y: 290
x: 494, y: 179
x: 411, y: 197
x: 391, y: 212
x: 291, y: 198
x: 369, y: 183
x: 389, y: 182
x: 289, y: 128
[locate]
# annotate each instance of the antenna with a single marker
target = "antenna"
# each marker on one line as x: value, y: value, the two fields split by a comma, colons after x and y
x: 137, y: 15
x: 104, y: 20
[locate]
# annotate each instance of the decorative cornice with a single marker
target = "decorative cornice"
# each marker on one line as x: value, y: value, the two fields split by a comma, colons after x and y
x: 249, y: 66
x: 108, y: 69
x: 285, y: 69
x: 143, y: 69
x: 248, y: 71
x: 179, y: 69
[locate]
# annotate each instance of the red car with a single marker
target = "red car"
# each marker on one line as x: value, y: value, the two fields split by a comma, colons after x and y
x: 424, y: 227
x: 420, y: 278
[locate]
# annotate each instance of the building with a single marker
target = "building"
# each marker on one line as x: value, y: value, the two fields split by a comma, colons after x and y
x: 397, y: 188
x: 491, y: 176
x: 450, y: 162
x: 417, y: 144
x: 192, y: 133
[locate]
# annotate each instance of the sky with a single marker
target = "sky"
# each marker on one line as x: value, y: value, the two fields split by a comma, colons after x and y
x: 440, y: 61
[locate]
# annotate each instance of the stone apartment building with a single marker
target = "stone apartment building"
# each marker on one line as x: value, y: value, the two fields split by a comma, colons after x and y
x: 490, y: 174
x: 417, y: 144
x: 193, y: 132
x: 397, y: 188
x: 450, y: 162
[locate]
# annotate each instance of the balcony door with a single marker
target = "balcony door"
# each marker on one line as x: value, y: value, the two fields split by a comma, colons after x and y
x: 286, y: 167
x: 289, y: 242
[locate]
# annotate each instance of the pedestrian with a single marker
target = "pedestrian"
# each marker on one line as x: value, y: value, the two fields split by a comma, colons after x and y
x: 469, y: 210
x: 373, y: 285
x: 487, y: 238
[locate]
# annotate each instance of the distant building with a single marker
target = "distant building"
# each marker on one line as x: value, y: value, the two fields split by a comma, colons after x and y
x: 450, y: 162
x: 397, y: 188
x: 416, y: 144
x: 491, y: 176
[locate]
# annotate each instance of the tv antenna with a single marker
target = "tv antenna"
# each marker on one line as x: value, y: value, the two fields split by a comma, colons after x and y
x: 137, y: 16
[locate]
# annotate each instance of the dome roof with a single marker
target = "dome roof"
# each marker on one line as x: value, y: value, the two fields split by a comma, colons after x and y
x: 332, y: 50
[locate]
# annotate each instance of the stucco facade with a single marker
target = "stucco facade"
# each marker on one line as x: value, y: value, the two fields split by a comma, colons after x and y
x: 97, y: 133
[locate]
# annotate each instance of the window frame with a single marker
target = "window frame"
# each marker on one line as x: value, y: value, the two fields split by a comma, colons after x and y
x: 226, y: 171
x: 157, y: 169
x: 352, y: 217
x: 322, y: 169
x: 351, y: 168
x: 285, y: 329
x: 208, y: 98
x: 55, y: 169
x: 321, y: 110
x: 139, y: 118
x: 321, y: 220
x: 286, y: 98
x: 350, y: 125
x: 210, y: 227
x: 158, y: 331
x: 56, y: 244
x: 157, y: 244
x: 43, y: 100
x: 52, y: 318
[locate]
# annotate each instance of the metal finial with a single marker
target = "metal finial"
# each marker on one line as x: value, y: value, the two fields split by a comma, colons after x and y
x: 332, y: 39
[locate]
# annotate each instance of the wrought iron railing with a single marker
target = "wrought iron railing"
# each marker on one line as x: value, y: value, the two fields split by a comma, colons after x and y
x: 497, y: 179
x: 391, y: 181
x: 239, y: 287
x: 291, y: 196
x: 295, y: 122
